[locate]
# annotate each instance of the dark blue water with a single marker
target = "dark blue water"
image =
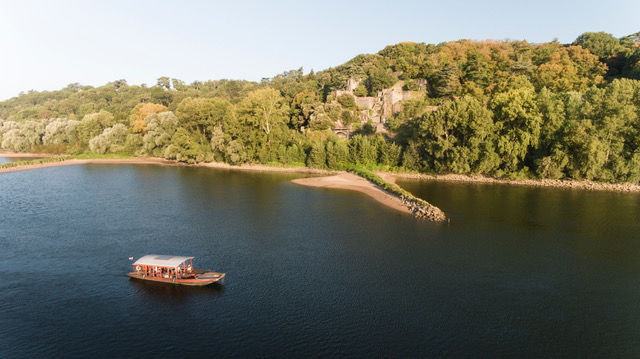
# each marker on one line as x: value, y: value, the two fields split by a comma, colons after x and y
x: 311, y: 272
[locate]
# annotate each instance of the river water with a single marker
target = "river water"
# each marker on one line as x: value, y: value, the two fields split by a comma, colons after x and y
x: 312, y: 272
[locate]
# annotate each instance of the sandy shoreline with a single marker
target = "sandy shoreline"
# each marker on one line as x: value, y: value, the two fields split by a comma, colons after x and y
x: 74, y: 162
x: 353, y: 182
x: 157, y: 161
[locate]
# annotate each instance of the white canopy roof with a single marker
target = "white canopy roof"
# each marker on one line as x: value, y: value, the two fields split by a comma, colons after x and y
x: 161, y: 260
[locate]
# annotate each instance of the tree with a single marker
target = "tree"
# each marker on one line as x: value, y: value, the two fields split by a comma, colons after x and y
x: 446, y: 81
x: 164, y: 82
x: 302, y: 107
x: 600, y: 44
x: 179, y: 85
x: 160, y: 130
x: 611, y: 116
x: 112, y: 140
x: 337, y: 153
x: 61, y: 131
x: 411, y: 158
x: 458, y: 137
x: 93, y: 124
x: 140, y: 113
x: 236, y: 153
x: 362, y: 151
x: 518, y: 123
x: 202, y: 115
x: 317, y: 156
x: 347, y: 101
x: 263, y: 109
x: 184, y: 148
x: 379, y: 78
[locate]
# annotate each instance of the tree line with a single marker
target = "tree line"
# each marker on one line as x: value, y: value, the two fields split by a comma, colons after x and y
x: 498, y: 108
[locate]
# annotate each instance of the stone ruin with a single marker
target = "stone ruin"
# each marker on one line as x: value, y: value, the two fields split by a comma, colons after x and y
x: 385, y: 104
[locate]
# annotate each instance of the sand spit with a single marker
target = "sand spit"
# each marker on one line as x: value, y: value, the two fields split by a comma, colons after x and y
x: 352, y: 182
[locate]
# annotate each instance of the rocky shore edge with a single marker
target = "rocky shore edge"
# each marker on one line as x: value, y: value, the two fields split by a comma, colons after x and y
x: 418, y: 207
x: 550, y: 183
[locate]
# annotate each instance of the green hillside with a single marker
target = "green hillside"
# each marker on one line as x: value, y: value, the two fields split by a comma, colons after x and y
x: 499, y: 108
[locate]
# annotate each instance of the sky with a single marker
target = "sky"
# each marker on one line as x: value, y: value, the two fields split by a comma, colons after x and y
x: 46, y: 45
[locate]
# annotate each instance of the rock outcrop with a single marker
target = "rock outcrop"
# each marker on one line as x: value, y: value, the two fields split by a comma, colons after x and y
x: 424, y: 210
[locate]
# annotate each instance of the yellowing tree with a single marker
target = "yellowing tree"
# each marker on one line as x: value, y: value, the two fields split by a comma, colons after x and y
x: 142, y: 111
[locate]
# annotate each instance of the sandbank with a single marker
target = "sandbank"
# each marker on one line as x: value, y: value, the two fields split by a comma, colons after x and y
x: 352, y: 182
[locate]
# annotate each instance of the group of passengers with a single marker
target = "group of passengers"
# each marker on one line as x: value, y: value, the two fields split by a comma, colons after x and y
x: 163, y: 272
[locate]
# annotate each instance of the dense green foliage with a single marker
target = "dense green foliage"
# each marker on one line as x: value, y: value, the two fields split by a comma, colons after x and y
x: 504, y: 109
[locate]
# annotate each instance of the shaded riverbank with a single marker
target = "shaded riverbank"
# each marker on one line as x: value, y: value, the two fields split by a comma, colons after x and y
x: 148, y: 160
x: 76, y: 161
x: 566, y: 184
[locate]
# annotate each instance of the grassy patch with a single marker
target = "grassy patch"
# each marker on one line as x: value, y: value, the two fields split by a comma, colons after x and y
x: 87, y: 156
x: 33, y: 162
x: 389, y: 187
x: 95, y: 156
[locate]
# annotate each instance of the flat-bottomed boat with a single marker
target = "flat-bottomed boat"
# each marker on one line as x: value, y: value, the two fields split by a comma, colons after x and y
x: 174, y: 270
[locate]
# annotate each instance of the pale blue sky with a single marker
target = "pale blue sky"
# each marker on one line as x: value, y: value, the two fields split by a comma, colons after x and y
x: 45, y: 45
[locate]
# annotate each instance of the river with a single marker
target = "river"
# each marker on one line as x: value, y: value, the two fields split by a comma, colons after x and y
x: 522, y: 272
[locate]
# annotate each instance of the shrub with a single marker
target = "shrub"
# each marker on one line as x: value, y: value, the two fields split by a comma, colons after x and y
x: 347, y: 101
x: 111, y: 140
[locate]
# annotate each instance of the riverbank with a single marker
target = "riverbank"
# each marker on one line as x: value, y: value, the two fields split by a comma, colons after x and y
x: 150, y: 160
x: 563, y: 184
x: 265, y: 168
x: 25, y: 155
x: 76, y: 161
x: 387, y: 176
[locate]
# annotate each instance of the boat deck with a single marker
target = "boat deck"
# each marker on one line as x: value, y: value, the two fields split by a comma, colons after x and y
x: 198, y: 277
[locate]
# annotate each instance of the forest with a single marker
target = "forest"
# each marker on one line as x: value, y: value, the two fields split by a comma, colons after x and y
x: 505, y: 109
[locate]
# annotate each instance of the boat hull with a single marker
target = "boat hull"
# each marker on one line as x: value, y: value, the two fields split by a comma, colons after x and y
x: 201, y: 279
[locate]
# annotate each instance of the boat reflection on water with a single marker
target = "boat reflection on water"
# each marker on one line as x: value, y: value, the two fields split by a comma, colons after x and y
x: 174, y: 293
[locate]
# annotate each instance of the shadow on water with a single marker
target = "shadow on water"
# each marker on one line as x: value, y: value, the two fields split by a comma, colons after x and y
x: 174, y: 293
